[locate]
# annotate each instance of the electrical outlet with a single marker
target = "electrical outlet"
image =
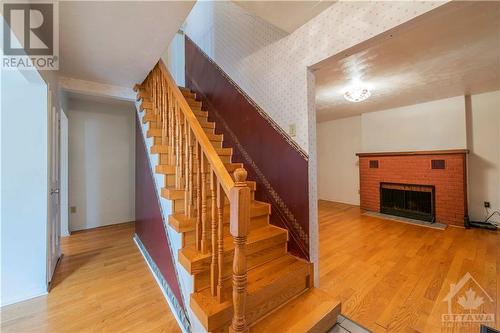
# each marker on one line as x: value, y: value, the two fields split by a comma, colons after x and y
x: 72, y: 209
x: 292, y: 131
x: 487, y: 204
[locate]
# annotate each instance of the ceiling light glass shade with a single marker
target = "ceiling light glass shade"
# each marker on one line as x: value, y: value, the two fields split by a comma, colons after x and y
x: 357, y: 94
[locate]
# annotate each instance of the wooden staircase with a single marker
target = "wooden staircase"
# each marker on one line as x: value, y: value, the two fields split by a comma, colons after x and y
x: 243, y: 277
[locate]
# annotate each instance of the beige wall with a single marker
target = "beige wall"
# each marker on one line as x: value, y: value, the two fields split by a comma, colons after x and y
x: 101, y: 163
x: 484, y: 157
x: 338, y: 174
x: 427, y: 126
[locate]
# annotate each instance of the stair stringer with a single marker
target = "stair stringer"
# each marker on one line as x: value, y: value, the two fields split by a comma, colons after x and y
x: 186, y: 281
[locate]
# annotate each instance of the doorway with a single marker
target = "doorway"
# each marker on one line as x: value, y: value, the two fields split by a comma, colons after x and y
x: 54, y: 200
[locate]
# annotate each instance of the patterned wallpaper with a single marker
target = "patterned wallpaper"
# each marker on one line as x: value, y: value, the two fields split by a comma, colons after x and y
x: 271, y: 66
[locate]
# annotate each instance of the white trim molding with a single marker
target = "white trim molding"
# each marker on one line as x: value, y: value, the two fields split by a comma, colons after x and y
x: 175, y: 306
x: 96, y: 89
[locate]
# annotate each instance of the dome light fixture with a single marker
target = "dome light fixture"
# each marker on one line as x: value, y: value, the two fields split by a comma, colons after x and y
x: 357, y: 93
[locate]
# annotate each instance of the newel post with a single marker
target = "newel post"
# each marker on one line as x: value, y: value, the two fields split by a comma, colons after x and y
x: 239, y: 221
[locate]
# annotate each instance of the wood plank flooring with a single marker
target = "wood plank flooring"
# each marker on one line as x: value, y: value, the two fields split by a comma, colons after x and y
x: 101, y: 285
x: 392, y: 277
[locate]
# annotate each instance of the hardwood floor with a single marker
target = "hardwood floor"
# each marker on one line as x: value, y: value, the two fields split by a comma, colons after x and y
x: 390, y: 277
x: 101, y: 285
x: 393, y: 277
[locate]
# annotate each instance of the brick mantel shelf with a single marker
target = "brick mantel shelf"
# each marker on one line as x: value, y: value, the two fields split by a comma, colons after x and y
x: 443, y: 169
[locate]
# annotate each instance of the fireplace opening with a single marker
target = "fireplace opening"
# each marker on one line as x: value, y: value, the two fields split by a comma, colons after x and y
x: 412, y: 201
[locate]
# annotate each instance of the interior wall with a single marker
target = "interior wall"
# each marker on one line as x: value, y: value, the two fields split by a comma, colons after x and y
x: 484, y: 156
x: 174, y: 59
x: 435, y: 125
x: 23, y: 186
x: 427, y: 126
x: 338, y: 171
x: 101, y: 163
x: 271, y: 66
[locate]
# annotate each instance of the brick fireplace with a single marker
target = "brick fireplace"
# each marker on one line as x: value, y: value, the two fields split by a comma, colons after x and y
x: 427, y: 185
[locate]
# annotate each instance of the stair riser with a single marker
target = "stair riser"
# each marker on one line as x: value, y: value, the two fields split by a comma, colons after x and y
x: 259, y: 303
x: 252, y: 249
x: 183, y: 226
x: 169, y: 180
x: 163, y: 159
x: 202, y: 280
x: 258, y: 306
x: 209, y: 130
x: 188, y: 238
x: 194, y: 104
x: 186, y: 92
x: 225, y: 159
x: 172, y: 194
x: 178, y: 206
x: 159, y: 150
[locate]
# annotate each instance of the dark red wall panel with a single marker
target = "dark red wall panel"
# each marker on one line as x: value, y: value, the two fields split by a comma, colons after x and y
x: 279, y: 166
x: 149, y: 223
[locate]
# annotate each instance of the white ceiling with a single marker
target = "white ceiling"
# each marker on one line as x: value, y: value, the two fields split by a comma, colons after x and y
x: 286, y: 15
x: 116, y: 42
x: 453, y: 50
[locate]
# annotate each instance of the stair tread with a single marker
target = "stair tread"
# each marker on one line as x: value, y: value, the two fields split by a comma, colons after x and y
x: 312, y: 311
x: 257, y: 279
x: 159, y: 149
x: 266, y: 232
x: 215, y: 137
x: 200, y: 113
x: 181, y: 223
x: 165, y: 169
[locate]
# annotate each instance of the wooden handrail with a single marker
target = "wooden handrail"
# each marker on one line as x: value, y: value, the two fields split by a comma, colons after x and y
x: 202, y: 175
x: 213, y: 158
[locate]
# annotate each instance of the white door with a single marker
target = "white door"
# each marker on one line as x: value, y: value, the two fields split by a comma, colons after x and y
x: 63, y: 185
x: 54, y: 227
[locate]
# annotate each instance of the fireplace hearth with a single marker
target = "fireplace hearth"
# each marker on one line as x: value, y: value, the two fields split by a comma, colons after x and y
x: 411, y: 201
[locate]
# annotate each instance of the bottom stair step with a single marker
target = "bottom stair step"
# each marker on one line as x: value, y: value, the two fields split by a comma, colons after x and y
x: 269, y: 286
x: 314, y: 311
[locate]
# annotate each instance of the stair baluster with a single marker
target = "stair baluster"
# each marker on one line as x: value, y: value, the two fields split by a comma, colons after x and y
x: 164, y: 115
x: 220, y: 240
x: 189, y: 174
x: 198, y: 198
x: 240, y: 219
x: 171, y: 127
x: 177, y: 147
x: 214, y: 263
x: 205, y: 232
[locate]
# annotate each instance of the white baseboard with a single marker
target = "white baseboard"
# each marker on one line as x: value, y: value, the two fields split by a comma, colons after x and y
x: 175, y: 307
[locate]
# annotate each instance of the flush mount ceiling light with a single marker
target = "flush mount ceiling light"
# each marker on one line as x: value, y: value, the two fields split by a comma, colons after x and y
x: 357, y: 93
